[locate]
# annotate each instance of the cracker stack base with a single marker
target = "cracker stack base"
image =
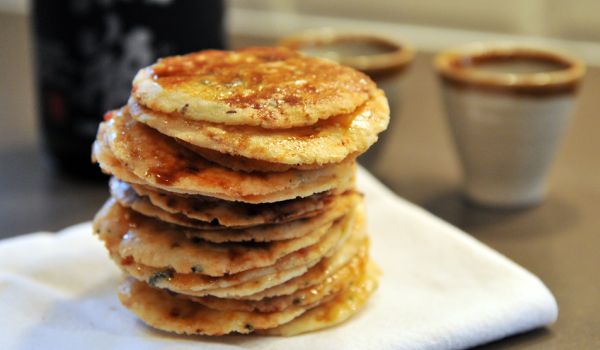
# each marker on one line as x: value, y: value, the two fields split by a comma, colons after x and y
x: 233, y: 207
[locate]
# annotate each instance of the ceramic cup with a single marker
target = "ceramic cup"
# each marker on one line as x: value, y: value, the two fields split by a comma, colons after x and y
x: 380, y: 57
x: 508, y: 107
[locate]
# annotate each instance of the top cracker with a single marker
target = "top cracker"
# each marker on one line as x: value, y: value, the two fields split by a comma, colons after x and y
x: 272, y: 88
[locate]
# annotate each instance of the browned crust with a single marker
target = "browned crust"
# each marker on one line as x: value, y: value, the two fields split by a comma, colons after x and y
x: 271, y: 82
x: 248, y: 165
x: 455, y: 68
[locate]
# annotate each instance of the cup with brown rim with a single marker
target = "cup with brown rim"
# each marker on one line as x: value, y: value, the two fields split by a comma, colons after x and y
x: 382, y: 58
x: 508, y: 107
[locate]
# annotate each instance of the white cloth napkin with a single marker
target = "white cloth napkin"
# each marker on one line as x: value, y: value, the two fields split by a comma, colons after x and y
x: 441, y: 289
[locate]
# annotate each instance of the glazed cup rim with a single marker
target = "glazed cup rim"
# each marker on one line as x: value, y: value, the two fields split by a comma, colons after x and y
x: 451, y: 65
x: 397, y: 59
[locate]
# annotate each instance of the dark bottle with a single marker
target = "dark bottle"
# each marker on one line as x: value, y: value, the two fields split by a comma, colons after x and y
x: 88, y: 51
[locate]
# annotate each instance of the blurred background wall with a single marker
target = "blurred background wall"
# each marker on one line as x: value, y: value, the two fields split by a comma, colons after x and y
x: 571, y: 20
x: 17, y: 117
x: 433, y: 24
x: 430, y: 25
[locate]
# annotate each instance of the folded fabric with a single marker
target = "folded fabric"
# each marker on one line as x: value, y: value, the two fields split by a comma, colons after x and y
x: 440, y: 289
